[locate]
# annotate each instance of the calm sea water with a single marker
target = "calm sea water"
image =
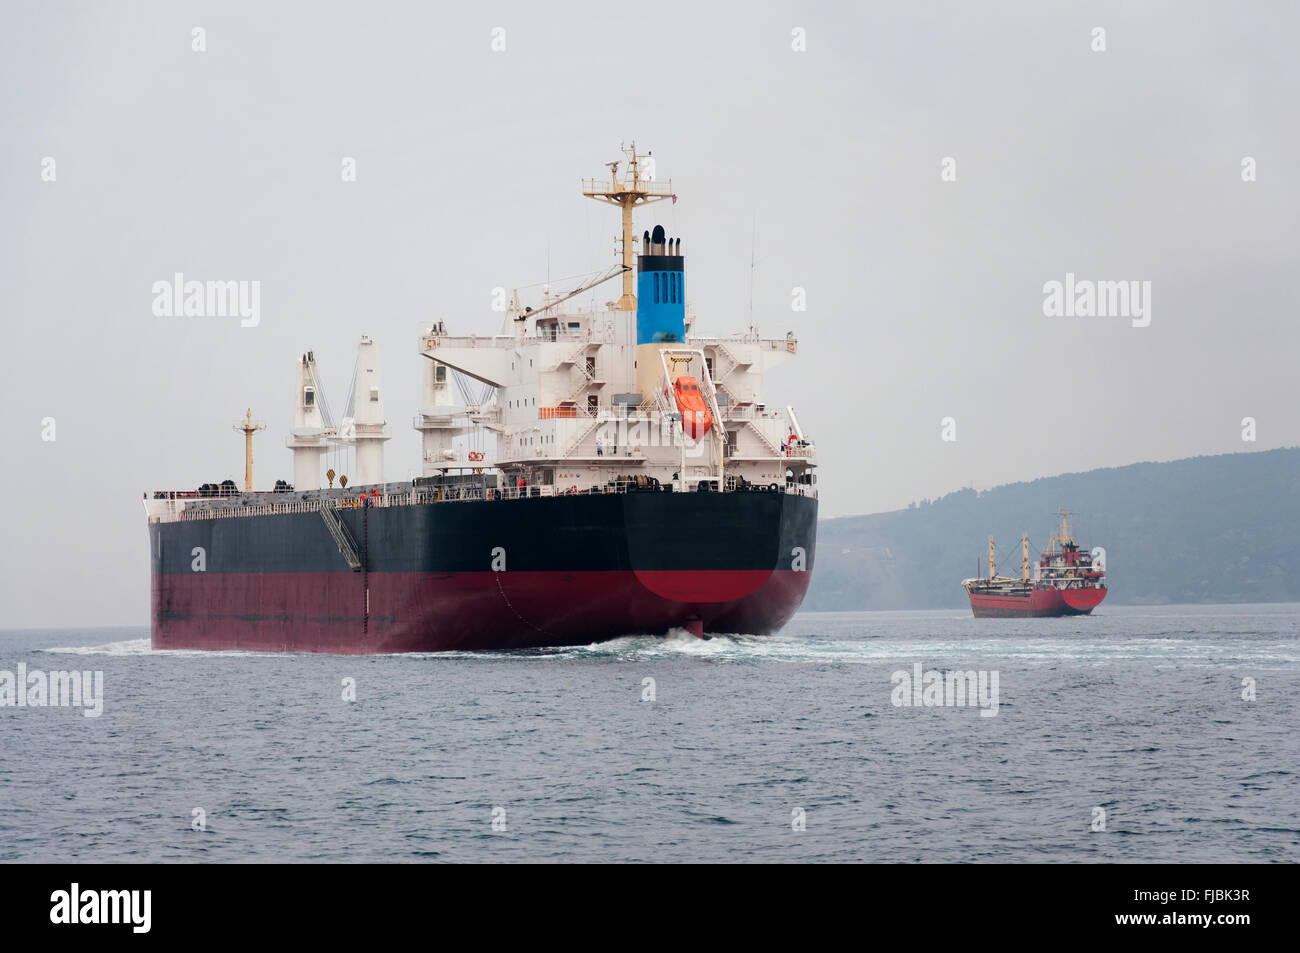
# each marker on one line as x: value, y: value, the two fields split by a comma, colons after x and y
x: 1136, y: 711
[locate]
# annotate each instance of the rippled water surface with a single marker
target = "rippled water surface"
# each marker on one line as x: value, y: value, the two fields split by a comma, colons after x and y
x: 1136, y: 711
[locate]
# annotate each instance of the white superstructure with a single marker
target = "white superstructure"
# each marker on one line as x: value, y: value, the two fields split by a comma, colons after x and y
x: 569, y: 414
x: 562, y: 403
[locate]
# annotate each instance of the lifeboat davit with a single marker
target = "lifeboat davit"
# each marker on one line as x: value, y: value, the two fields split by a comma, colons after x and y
x: 696, y: 419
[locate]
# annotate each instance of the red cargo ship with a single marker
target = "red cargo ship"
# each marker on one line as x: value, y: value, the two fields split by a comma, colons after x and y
x: 1067, y: 581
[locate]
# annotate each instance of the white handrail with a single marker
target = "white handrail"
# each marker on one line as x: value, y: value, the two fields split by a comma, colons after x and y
x: 203, y: 508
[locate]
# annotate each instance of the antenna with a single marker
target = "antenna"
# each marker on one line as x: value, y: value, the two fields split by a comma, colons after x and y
x: 753, y: 247
x: 630, y: 192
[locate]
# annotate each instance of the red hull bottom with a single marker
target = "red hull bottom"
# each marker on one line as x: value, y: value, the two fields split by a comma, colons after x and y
x: 433, y: 612
x: 1037, y: 604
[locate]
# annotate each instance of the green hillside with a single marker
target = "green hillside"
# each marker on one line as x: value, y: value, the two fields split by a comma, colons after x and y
x: 1206, y: 529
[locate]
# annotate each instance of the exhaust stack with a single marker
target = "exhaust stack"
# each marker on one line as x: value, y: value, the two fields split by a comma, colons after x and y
x: 660, y: 307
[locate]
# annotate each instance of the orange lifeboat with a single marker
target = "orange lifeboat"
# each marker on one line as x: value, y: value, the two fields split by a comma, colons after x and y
x: 696, y: 419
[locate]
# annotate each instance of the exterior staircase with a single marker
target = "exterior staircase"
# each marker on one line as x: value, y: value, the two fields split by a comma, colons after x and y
x: 347, y: 546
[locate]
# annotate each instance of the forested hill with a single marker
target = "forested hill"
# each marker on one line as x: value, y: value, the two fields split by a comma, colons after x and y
x: 1206, y: 529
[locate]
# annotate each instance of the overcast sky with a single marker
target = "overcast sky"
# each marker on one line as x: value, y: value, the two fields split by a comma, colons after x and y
x: 924, y: 296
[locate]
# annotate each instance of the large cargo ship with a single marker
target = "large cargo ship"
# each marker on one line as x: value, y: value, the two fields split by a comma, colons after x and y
x: 1066, y: 581
x: 606, y: 472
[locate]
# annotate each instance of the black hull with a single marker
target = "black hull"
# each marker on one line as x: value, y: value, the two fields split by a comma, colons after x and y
x: 485, y: 574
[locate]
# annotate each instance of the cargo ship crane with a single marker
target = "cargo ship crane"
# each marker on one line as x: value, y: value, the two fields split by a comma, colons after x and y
x: 521, y: 314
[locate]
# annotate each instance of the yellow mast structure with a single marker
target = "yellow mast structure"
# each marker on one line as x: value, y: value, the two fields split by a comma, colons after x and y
x: 992, y: 566
x: 631, y: 191
x: 248, y: 427
x: 1065, y: 536
x: 1024, y: 557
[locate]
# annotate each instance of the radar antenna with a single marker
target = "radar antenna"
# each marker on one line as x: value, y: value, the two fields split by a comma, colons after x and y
x: 632, y: 190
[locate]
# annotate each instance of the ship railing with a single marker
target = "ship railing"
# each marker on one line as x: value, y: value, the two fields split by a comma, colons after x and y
x: 749, y: 411
x: 606, y: 186
x: 589, y: 336
x: 217, y: 508
x: 768, y: 344
x: 626, y: 486
x: 539, y: 491
x: 470, y: 340
x: 208, y: 508
x: 732, y: 411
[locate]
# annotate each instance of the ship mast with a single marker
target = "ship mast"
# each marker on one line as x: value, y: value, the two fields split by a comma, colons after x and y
x: 992, y: 565
x: 633, y: 190
x: 249, y: 427
x: 1065, y: 536
x: 1024, y: 557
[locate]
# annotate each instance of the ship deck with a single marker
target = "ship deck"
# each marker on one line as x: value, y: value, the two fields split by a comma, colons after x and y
x: 172, y: 505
